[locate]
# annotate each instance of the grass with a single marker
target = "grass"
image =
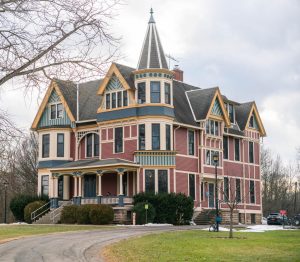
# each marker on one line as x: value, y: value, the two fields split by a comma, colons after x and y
x: 208, y: 246
x: 8, y: 232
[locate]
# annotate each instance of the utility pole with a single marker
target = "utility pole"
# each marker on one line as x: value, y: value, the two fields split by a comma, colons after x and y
x: 5, y: 190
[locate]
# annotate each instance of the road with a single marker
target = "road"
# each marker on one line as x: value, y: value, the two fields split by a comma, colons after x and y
x: 73, y: 246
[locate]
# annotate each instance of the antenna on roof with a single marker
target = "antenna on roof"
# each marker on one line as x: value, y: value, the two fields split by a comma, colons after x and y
x: 171, y: 58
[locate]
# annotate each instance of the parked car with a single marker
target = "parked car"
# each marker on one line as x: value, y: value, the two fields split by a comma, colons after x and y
x: 275, y: 219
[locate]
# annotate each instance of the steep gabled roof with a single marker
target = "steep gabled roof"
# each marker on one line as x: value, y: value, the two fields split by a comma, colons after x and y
x: 127, y: 74
x: 183, y: 112
x: 152, y: 54
x: 200, y: 101
x: 242, y: 112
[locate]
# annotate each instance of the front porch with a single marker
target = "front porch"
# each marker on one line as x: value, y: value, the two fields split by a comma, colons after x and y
x: 112, y: 182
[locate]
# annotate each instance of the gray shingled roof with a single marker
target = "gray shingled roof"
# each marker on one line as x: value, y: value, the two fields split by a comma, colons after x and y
x: 200, y: 101
x: 152, y: 54
x: 94, y: 162
x: 183, y: 112
x: 126, y: 72
x: 242, y: 112
x: 89, y: 101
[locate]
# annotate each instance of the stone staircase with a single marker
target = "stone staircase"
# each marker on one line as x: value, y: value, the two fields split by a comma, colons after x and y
x: 205, y: 217
x: 53, y: 216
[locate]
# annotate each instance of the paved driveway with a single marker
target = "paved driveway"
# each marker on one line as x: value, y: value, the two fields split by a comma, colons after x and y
x: 72, y: 246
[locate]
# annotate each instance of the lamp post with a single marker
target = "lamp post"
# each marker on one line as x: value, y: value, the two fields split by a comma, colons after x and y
x: 216, y: 160
x: 5, y: 189
x: 295, y: 200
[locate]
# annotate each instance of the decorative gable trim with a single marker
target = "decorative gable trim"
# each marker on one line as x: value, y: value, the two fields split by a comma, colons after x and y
x: 52, y: 86
x: 113, y: 71
x: 217, y: 109
x: 254, y: 111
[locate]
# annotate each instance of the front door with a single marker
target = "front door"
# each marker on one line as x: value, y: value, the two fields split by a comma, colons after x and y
x: 90, y: 186
x: 211, y: 195
x: 61, y: 187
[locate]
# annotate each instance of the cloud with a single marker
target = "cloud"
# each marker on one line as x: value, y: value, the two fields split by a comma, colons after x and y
x: 250, y: 49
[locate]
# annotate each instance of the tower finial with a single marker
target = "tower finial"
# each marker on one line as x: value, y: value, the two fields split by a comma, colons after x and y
x: 151, y: 20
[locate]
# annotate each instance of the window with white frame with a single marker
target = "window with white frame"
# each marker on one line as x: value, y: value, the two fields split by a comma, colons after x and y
x: 251, y: 152
x: 213, y: 127
x: 237, y: 149
x: 118, y: 139
x: 231, y: 112
x: 60, y: 145
x: 116, y: 99
x: 167, y: 93
x: 44, y: 185
x: 156, y: 180
x: 210, y: 157
x: 191, y: 139
x: 192, y: 186
x: 155, y: 136
x: 155, y: 92
x: 56, y: 111
x: 142, y: 135
x: 45, y: 145
x: 92, y: 145
x: 141, y: 92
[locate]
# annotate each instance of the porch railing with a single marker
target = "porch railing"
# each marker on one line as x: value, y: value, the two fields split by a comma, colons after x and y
x: 107, y: 200
x: 155, y: 158
x: 40, y: 211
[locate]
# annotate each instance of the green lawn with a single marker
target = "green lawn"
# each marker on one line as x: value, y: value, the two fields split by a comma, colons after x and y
x: 15, y: 231
x: 208, y: 246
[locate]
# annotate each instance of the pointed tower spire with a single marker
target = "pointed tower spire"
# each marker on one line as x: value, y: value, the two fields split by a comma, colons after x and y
x: 152, y: 54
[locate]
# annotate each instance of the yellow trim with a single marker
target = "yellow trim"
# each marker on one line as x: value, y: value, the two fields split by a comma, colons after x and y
x: 224, y: 111
x: 87, y: 127
x: 54, y: 129
x: 44, y: 103
x: 260, y: 124
x: 100, y: 110
x: 113, y: 70
x: 162, y: 70
x: 131, y: 119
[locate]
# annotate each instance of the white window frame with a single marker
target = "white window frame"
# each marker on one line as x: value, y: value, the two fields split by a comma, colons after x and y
x: 123, y: 147
x: 188, y: 142
x: 56, y: 111
x: 156, y: 178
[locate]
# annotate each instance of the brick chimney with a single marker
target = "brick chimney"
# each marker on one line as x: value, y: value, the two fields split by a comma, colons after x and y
x: 178, y: 73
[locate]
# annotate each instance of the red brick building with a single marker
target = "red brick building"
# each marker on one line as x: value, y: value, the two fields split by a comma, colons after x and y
x: 144, y: 129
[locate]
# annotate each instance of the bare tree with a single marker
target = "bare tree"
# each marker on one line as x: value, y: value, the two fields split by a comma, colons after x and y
x: 44, y: 39
x: 232, y: 197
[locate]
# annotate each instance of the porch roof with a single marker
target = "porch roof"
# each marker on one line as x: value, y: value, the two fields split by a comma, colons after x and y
x: 95, y: 164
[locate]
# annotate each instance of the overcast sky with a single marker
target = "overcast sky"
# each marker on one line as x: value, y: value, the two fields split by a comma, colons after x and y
x: 250, y: 49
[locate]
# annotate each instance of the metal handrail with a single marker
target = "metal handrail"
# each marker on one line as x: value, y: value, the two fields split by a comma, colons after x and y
x: 54, y: 213
x: 34, y: 216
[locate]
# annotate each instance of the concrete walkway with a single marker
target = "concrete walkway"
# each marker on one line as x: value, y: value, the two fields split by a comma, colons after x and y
x: 74, y: 246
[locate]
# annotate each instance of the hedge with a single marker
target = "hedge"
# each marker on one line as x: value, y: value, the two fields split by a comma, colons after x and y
x: 32, y: 207
x: 19, y: 202
x: 101, y: 214
x: 140, y: 211
x: 176, y: 209
x: 69, y: 214
x: 96, y: 214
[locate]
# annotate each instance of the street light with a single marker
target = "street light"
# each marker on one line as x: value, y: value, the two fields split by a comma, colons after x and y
x: 216, y: 161
x: 5, y: 189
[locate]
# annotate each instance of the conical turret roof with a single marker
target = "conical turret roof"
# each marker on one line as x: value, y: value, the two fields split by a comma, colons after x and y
x: 152, y: 54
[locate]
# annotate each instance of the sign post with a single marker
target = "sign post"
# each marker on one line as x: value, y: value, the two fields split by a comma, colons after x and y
x: 146, y: 208
x: 283, y: 213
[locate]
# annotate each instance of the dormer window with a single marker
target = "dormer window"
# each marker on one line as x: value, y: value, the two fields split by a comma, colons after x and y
x: 155, y: 91
x: 251, y: 122
x: 212, y: 127
x: 142, y: 93
x: 56, y: 111
x: 230, y: 109
x: 116, y: 99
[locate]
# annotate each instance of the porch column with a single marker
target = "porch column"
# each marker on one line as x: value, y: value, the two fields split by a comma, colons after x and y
x: 80, y: 186
x: 99, y: 196
x: 75, y: 187
x: 54, y: 199
x: 121, y: 195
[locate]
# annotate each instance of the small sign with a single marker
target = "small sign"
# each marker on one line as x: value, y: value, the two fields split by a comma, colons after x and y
x: 283, y: 212
x: 146, y: 206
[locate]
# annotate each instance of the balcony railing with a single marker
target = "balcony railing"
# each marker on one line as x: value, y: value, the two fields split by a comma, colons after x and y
x: 155, y: 158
